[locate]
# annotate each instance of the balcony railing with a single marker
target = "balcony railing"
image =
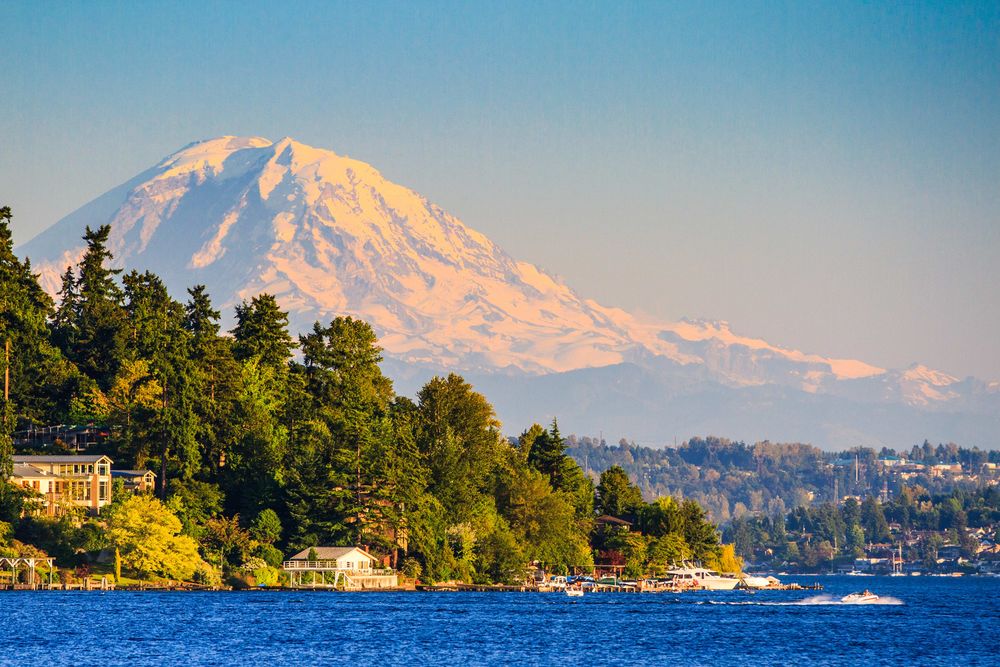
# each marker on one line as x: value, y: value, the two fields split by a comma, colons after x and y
x: 331, y: 566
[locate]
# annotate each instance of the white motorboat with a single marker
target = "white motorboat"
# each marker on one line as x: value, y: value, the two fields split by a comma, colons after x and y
x: 751, y: 581
x: 698, y: 578
x: 574, y: 592
x: 864, y: 597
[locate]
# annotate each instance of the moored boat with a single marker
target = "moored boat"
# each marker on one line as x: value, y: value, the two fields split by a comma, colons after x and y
x: 751, y: 581
x: 699, y: 578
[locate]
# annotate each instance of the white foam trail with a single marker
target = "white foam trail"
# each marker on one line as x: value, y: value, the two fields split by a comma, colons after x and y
x: 829, y: 600
x: 805, y: 602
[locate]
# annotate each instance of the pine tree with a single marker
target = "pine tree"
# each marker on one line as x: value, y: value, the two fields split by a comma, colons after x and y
x: 201, y: 320
x: 262, y: 331
x: 64, y: 322
x: 545, y: 451
x: 99, y: 345
x: 342, y: 364
x: 349, y: 395
x: 547, y: 454
x: 25, y: 351
x: 215, y: 376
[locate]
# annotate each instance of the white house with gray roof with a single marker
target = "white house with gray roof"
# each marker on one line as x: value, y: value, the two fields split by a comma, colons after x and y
x: 334, y: 567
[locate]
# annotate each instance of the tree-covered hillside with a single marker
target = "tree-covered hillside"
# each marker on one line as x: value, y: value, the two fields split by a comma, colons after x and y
x: 263, y: 442
x: 731, y: 479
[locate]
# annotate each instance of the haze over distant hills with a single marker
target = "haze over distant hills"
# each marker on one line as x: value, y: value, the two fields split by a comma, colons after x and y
x: 329, y: 235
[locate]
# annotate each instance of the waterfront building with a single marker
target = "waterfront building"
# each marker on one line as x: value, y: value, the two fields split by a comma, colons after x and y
x: 334, y: 567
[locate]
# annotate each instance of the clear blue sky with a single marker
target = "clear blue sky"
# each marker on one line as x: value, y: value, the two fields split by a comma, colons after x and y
x: 824, y: 175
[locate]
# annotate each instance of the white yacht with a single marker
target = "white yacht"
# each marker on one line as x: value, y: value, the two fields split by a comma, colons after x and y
x: 698, y: 578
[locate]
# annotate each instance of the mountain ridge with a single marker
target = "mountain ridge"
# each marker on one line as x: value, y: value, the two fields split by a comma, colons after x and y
x: 330, y: 235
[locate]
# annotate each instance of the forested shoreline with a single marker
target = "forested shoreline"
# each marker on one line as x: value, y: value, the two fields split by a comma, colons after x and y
x: 732, y: 479
x: 264, y: 442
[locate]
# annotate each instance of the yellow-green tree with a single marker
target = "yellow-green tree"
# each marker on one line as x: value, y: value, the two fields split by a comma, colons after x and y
x: 729, y: 561
x: 147, y: 535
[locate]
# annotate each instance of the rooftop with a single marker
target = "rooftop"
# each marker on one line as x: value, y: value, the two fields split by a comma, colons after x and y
x: 60, y: 458
x: 607, y: 518
x: 28, y: 471
x: 328, y: 553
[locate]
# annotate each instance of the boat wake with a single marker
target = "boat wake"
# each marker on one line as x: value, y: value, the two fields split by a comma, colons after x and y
x: 830, y: 600
x: 816, y: 600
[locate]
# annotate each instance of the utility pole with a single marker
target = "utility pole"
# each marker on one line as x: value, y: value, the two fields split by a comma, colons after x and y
x: 6, y: 372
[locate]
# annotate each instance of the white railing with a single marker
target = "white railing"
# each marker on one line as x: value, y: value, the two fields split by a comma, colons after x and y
x: 331, y: 566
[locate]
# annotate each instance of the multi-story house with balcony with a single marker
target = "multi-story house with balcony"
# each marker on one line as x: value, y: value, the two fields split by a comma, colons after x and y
x: 59, y: 480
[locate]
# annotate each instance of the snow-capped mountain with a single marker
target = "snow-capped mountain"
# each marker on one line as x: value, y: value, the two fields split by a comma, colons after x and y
x: 330, y: 235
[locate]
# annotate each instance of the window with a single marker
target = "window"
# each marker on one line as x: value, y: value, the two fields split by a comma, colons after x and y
x: 103, y: 494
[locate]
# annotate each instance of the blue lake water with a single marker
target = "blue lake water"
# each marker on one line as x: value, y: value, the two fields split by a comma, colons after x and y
x: 937, y: 621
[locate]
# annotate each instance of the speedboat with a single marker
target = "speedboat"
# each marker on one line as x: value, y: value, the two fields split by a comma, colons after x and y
x: 863, y: 597
x: 574, y: 592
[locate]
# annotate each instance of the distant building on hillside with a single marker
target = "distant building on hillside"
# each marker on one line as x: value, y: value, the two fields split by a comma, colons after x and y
x: 136, y: 481
x: 64, y: 437
x: 942, y: 469
x: 607, y: 521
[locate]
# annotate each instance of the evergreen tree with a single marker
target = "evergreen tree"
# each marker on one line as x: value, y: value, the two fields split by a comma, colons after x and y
x: 262, y: 331
x: 256, y: 451
x: 873, y: 520
x: 617, y: 495
x: 99, y: 343
x: 201, y: 320
x: 547, y: 454
x: 26, y: 354
x: 698, y: 532
x: 64, y: 323
x: 155, y: 331
x: 215, y: 377
x: 348, y: 392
